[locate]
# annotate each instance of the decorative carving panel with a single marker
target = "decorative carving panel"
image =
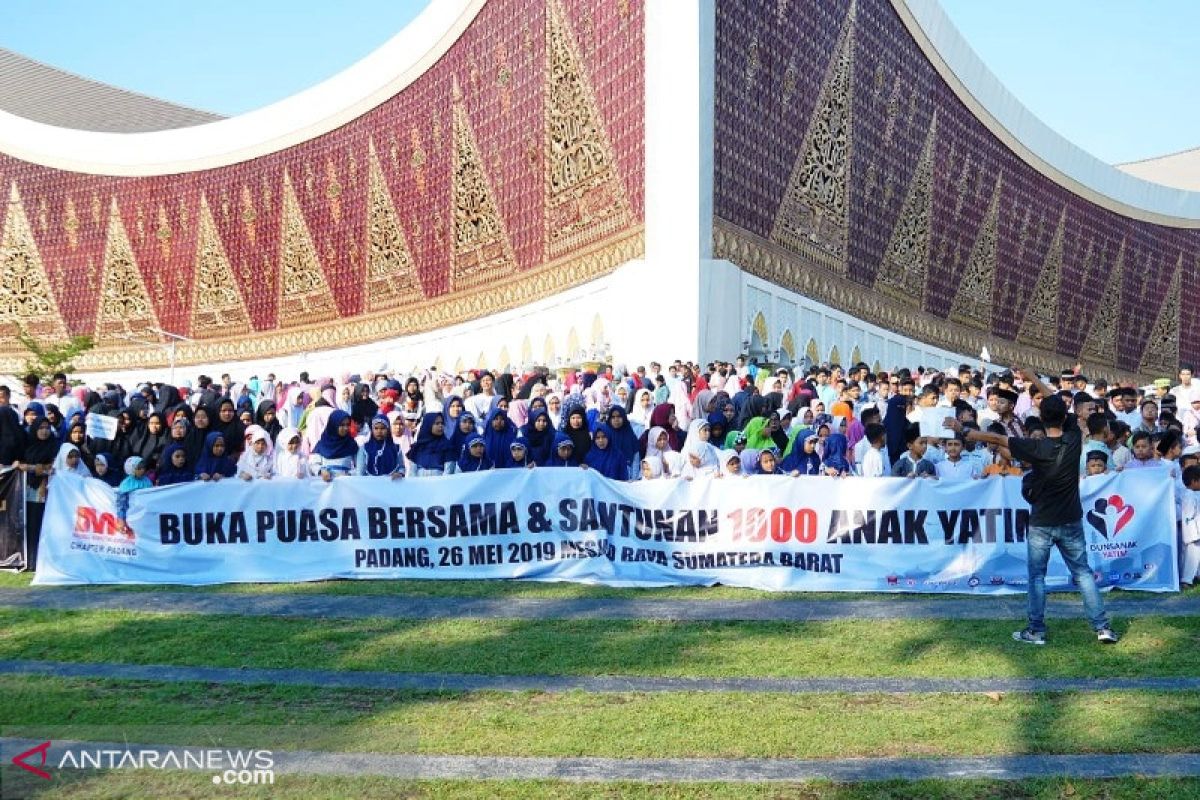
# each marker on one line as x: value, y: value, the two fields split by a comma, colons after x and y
x: 394, y: 223
x: 1027, y: 271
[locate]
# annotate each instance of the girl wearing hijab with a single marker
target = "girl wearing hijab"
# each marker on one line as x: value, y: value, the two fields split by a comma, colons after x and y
x: 575, y: 425
x: 213, y: 463
x: 431, y: 451
x: 135, y: 480
x: 335, y: 451
x: 363, y: 409
x: 833, y: 459
x: 663, y: 417
x: 174, y: 468
x: 105, y: 472
x: 498, y: 433
x: 731, y: 463
x: 257, y: 461
x: 40, y: 452
x: 227, y: 423
x: 150, y: 439
x: 202, y: 426
x: 703, y: 459
x: 539, y: 437
x: 652, y: 468
x: 381, y: 456
x: 474, y: 455
x: 804, y: 459
x: 604, y: 457
x: 267, y: 418
x: 564, y: 452
x: 624, y: 439
x: 452, y: 409
x: 464, y: 430
x: 289, y: 461
x: 69, y: 460
x: 639, y: 415
x: 554, y: 409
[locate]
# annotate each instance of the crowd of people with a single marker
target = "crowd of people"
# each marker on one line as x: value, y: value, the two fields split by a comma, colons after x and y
x: 684, y: 421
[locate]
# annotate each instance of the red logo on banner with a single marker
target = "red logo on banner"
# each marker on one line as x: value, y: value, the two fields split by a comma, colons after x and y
x: 41, y: 749
x: 102, y: 523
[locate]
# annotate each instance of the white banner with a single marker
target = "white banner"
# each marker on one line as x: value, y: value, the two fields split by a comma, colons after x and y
x: 101, y: 426
x: 775, y: 533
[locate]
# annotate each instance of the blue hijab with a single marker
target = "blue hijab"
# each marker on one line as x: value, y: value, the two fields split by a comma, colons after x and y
x: 452, y: 422
x: 835, y: 452
x: 429, y: 451
x: 209, y: 464
x: 609, y: 461
x: 168, y: 473
x: 331, y: 445
x: 458, y: 439
x: 800, y: 461
x: 558, y: 461
x: 623, y: 438
x: 468, y: 462
x: 539, y: 445
x: 497, y: 441
x: 382, y: 457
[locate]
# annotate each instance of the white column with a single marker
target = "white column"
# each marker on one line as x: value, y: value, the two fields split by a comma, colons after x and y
x: 662, y: 292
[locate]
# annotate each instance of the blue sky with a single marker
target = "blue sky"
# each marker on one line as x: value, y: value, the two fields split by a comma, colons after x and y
x: 1119, y: 78
x: 217, y: 55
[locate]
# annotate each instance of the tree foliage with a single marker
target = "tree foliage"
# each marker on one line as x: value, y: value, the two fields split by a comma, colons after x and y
x: 46, y: 359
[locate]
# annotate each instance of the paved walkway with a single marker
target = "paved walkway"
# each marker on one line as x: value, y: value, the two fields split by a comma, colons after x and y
x: 673, y: 769
x: 356, y: 607
x: 448, y: 681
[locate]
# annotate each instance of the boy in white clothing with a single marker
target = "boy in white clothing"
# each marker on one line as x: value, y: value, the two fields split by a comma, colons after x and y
x: 954, y: 467
x: 873, y: 465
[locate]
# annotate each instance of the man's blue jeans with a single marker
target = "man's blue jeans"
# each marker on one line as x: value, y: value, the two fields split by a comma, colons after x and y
x: 1073, y: 547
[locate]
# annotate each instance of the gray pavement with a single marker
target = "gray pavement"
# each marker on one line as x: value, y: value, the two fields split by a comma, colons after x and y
x: 1021, y: 767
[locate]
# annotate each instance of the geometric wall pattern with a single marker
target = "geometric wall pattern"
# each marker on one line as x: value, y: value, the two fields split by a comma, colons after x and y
x: 847, y: 170
x: 511, y: 170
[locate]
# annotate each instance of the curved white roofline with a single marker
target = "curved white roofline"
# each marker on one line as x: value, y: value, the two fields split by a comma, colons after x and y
x: 1030, y: 138
x: 1180, y: 170
x: 291, y: 121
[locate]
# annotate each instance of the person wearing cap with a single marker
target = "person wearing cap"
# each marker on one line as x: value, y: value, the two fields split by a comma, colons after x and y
x: 1056, y: 512
x: 1162, y: 387
x: 1006, y: 401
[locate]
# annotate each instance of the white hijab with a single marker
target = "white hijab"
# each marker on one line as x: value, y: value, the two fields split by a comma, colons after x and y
x: 60, y: 461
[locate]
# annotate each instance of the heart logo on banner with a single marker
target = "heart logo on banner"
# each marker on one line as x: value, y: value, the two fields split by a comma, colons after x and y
x: 1110, y: 515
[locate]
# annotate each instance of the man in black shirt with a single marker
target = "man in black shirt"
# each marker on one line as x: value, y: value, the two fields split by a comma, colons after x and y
x: 1056, y: 514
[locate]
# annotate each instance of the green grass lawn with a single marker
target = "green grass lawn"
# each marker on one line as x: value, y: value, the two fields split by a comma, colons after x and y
x: 919, y: 648
x: 155, y: 786
x: 522, y: 589
x: 618, y: 725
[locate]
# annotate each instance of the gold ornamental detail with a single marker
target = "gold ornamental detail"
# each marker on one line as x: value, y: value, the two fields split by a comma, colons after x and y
x: 481, y: 249
x: 904, y: 271
x: 813, y: 218
x: 304, y: 294
x: 771, y: 262
x: 391, y: 278
x: 972, y: 303
x: 218, y: 307
x: 26, y: 299
x: 1161, y: 356
x: 585, y: 197
x: 1040, y: 326
x: 510, y: 292
x: 125, y: 306
x: 1100, y: 346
